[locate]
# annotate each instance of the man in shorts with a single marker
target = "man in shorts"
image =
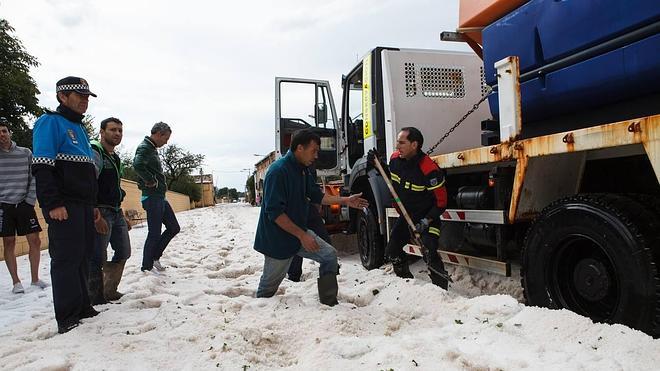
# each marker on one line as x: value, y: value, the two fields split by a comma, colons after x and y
x: 17, y: 198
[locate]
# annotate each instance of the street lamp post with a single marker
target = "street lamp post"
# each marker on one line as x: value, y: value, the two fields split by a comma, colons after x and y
x: 201, y: 184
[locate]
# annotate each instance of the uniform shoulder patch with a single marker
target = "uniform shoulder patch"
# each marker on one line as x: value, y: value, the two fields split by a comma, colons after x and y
x: 427, y: 165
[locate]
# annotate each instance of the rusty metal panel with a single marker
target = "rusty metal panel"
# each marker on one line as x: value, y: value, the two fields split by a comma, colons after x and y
x: 651, y: 141
x: 644, y: 131
x: 549, y: 178
x: 518, y: 180
x: 640, y: 131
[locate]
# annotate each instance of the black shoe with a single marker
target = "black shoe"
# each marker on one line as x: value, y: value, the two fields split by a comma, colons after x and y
x: 63, y: 328
x: 401, y: 269
x: 99, y: 300
x: 114, y: 296
x: 88, y: 312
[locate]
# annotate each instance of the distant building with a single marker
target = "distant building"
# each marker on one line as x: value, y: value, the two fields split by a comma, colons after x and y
x: 208, y: 191
x: 260, y: 169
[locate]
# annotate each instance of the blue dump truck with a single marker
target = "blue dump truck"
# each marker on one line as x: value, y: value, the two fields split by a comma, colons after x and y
x: 558, y: 172
x: 571, y: 160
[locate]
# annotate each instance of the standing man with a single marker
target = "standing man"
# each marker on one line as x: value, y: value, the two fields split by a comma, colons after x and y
x: 282, y: 230
x: 419, y: 182
x: 151, y: 181
x: 17, y: 216
x: 66, y: 188
x: 112, y: 227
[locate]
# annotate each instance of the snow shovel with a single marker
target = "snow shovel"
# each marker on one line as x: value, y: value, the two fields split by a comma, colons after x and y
x: 418, y: 248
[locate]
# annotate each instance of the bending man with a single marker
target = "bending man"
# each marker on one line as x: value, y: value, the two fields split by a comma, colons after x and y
x: 282, y: 230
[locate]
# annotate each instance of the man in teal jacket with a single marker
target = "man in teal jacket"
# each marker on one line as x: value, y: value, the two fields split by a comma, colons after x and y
x: 151, y: 180
x: 282, y: 231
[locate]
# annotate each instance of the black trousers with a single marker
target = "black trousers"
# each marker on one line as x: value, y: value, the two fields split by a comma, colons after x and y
x: 400, y: 236
x: 315, y: 223
x: 71, y: 243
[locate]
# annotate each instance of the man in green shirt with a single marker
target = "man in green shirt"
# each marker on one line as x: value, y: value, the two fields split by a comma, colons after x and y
x: 151, y: 180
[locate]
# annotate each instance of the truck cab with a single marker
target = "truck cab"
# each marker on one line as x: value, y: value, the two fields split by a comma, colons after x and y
x: 388, y: 89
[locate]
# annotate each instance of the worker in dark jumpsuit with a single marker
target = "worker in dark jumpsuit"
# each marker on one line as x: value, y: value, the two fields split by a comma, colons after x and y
x: 419, y: 182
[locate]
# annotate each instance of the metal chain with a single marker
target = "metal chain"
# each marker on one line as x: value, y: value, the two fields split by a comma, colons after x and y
x: 456, y: 125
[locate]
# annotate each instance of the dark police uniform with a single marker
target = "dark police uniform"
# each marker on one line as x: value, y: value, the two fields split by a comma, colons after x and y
x: 64, y: 169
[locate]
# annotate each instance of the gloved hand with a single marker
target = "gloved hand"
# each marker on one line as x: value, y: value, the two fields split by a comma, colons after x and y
x: 422, y: 225
x: 372, y: 155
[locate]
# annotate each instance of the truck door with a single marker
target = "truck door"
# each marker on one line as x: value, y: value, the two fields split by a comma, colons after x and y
x: 307, y: 104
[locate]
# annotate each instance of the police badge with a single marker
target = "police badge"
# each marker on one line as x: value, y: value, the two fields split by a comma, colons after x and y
x: 72, y: 135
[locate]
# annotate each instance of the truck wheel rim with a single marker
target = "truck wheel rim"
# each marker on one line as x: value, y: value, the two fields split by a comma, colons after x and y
x: 583, y: 278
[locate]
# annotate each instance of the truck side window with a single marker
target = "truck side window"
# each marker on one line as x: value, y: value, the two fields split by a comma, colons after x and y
x: 354, y: 117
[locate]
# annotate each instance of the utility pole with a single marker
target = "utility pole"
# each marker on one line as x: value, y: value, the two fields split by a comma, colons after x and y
x: 201, y: 184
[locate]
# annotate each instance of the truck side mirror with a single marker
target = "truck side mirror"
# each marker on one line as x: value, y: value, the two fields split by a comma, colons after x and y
x: 321, y: 113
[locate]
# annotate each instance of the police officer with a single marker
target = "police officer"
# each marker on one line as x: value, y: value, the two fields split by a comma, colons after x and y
x: 419, y: 182
x: 66, y: 189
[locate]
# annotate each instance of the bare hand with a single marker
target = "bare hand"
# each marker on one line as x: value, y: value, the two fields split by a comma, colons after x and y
x: 128, y: 224
x: 357, y: 202
x: 309, y: 243
x: 101, y: 226
x: 99, y: 222
x: 59, y: 213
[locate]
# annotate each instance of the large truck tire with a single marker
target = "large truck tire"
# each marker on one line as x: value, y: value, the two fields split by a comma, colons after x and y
x: 650, y: 202
x: 370, y: 241
x: 595, y: 254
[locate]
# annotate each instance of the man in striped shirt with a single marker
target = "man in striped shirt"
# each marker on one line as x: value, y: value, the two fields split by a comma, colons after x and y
x: 17, y: 216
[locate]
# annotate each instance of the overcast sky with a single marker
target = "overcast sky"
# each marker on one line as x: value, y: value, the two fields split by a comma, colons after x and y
x: 208, y: 67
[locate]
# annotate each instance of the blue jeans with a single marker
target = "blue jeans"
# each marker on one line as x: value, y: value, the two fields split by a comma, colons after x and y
x: 117, y: 237
x: 275, y: 269
x: 316, y: 224
x: 159, y: 212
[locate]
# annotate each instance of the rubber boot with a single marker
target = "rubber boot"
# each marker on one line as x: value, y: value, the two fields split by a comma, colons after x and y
x: 112, y: 276
x: 328, y: 289
x: 95, y: 288
x: 401, y: 268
